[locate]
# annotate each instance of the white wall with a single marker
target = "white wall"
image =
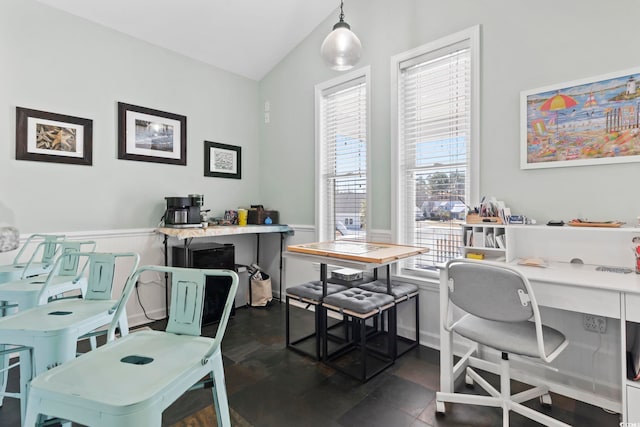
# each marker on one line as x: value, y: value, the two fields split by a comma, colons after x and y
x: 57, y: 62
x: 524, y: 46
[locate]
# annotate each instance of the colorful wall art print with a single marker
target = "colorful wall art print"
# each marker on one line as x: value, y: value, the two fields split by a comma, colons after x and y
x: 592, y: 121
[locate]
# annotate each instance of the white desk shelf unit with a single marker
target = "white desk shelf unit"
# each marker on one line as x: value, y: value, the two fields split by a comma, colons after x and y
x: 567, y: 291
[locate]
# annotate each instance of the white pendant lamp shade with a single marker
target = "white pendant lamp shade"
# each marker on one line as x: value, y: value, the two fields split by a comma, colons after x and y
x: 341, y: 49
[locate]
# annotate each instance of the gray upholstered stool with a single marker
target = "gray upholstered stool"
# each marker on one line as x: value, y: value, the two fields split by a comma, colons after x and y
x: 309, y: 293
x: 402, y: 292
x: 357, y: 306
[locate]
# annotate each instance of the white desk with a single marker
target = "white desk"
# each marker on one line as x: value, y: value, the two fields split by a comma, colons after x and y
x: 579, y: 288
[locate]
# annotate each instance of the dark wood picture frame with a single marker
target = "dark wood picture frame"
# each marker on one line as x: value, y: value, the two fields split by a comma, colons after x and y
x: 222, y: 160
x: 149, y: 135
x: 50, y: 137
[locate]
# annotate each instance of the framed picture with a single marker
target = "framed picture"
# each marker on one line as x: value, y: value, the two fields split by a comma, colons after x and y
x: 151, y: 136
x: 222, y: 160
x: 585, y: 122
x: 50, y: 137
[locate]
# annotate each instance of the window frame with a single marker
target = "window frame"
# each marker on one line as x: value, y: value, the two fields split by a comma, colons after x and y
x: 471, y: 36
x: 321, y: 211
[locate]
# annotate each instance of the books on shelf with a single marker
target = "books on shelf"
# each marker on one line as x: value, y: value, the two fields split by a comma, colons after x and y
x: 490, y: 240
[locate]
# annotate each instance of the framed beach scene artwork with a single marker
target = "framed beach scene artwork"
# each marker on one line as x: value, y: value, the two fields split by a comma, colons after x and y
x: 587, y: 122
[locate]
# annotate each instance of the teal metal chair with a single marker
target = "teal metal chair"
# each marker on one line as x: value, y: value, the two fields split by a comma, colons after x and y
x: 65, y: 276
x: 52, y: 330
x: 28, y: 292
x: 43, y: 250
x: 130, y: 381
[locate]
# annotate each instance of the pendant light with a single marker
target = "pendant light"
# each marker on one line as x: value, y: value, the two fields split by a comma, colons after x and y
x: 341, y: 49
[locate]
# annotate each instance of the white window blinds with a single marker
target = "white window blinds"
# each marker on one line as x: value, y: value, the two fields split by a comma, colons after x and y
x: 343, y: 160
x: 434, y: 127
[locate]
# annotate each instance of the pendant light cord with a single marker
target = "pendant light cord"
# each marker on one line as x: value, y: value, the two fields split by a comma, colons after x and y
x: 341, y: 11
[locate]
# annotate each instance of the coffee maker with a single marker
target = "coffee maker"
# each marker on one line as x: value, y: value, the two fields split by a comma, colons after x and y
x: 183, y: 212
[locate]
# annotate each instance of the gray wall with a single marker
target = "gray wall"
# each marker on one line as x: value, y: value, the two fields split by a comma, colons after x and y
x: 525, y: 45
x: 60, y: 63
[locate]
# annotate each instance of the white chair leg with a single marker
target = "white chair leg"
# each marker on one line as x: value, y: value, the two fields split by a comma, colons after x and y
x: 505, y: 389
x: 468, y: 380
x: 220, y: 391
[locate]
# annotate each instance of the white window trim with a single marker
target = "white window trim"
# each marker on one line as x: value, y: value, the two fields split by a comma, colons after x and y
x: 364, y: 72
x: 472, y: 35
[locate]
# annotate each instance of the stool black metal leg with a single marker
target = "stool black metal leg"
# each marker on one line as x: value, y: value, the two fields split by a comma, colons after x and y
x: 286, y: 322
x: 417, y: 302
x: 363, y: 346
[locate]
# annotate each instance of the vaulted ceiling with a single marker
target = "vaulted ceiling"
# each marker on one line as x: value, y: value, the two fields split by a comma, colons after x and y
x: 246, y: 37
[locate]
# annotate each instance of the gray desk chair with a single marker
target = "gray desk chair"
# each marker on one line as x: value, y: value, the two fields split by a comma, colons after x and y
x: 500, y: 312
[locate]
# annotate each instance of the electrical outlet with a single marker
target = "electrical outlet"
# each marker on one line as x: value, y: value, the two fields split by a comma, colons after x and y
x: 595, y: 323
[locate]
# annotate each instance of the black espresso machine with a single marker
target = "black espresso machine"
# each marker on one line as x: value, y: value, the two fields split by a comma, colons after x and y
x: 183, y: 212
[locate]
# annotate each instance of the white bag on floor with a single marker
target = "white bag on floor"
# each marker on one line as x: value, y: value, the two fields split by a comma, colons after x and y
x: 261, y: 294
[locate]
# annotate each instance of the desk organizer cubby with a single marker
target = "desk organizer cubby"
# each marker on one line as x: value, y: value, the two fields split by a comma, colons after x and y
x: 490, y: 241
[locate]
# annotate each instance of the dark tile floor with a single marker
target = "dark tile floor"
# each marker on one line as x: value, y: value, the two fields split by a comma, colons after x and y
x: 269, y: 385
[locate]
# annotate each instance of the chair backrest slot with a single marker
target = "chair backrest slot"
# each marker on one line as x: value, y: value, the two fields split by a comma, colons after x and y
x: 71, y: 262
x: 187, y: 296
x: 100, y: 280
x: 49, y: 247
x: 185, y: 312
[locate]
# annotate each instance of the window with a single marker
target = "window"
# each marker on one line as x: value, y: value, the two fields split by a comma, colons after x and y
x: 435, y: 154
x: 342, y: 128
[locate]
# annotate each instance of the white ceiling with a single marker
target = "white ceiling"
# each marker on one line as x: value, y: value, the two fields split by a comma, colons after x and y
x: 246, y: 37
